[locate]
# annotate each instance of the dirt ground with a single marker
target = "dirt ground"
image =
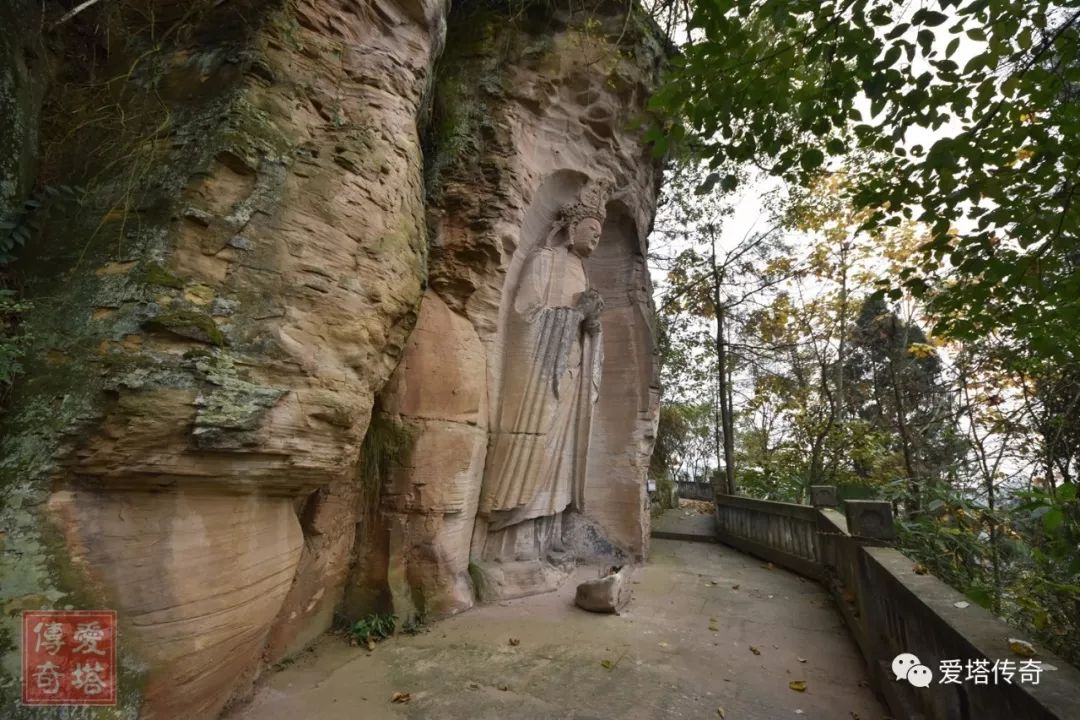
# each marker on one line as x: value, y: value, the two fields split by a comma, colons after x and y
x: 708, y: 629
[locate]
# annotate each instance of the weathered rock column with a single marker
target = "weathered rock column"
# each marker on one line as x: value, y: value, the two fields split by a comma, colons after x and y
x: 526, y: 110
x: 215, y: 324
x: 212, y: 326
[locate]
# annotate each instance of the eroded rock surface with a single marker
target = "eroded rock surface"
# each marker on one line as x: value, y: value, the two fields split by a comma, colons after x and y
x: 519, y: 127
x: 231, y: 297
x: 270, y: 342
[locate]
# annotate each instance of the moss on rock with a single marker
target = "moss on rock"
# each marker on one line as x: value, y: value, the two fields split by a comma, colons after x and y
x: 155, y: 274
x: 187, y: 323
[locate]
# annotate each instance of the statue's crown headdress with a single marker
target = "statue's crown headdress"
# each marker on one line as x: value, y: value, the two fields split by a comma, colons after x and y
x: 591, y: 202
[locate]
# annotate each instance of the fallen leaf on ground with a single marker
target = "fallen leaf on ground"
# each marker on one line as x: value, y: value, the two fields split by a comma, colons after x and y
x: 370, y: 645
x: 734, y: 587
x: 755, y: 650
x: 720, y: 712
x: 961, y: 604
x: 474, y: 686
x: 1022, y: 647
x: 919, y: 569
x: 801, y: 659
x: 797, y: 685
x: 799, y: 712
x: 400, y: 697
x: 662, y: 644
x: 606, y: 664
x: 515, y: 642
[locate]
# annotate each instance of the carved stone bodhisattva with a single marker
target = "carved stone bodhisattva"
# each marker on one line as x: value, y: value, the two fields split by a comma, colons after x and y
x: 536, y: 464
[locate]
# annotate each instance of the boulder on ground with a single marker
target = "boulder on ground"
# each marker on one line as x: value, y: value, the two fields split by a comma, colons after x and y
x: 607, y: 594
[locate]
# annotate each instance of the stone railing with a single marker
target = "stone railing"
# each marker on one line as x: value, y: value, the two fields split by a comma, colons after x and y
x: 695, y: 490
x: 891, y: 609
x: 785, y: 533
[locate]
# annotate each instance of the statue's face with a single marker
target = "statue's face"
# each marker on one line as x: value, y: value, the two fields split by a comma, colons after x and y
x: 584, y: 236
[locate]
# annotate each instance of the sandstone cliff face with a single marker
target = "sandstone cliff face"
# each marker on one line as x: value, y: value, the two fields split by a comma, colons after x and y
x: 524, y: 112
x: 233, y: 293
x: 238, y: 289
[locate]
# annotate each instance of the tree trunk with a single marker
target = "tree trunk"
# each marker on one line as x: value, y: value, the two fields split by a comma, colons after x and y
x: 914, y: 489
x: 723, y: 379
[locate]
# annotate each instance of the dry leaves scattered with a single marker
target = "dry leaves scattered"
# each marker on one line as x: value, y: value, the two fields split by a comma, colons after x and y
x: 1022, y: 647
x: 701, y: 507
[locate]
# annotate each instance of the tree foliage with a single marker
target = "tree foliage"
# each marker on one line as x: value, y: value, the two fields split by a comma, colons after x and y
x: 927, y: 348
x: 968, y: 109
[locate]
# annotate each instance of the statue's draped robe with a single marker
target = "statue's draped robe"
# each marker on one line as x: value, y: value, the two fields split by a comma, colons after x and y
x: 537, y: 458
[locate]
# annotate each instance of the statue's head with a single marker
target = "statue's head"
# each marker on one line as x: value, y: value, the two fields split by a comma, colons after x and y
x: 584, y: 236
x: 584, y: 218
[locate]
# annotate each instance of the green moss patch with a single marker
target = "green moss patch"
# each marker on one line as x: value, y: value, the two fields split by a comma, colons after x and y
x: 189, y: 324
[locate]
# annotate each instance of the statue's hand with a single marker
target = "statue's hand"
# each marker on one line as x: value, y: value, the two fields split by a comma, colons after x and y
x: 590, y: 302
x: 591, y: 305
x: 591, y: 324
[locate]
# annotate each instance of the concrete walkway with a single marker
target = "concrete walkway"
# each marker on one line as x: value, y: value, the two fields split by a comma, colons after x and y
x: 684, y: 648
x: 685, y: 523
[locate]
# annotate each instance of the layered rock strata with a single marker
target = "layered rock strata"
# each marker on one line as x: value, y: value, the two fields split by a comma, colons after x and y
x: 269, y: 338
x: 213, y: 321
x: 520, y: 124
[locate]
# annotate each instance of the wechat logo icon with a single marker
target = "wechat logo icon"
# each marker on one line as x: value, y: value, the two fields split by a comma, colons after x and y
x: 906, y: 666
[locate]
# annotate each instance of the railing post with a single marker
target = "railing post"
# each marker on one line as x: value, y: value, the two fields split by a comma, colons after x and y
x: 823, y: 496
x: 870, y: 519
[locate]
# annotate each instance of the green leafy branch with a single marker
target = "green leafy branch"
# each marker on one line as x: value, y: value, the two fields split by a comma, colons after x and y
x: 17, y: 229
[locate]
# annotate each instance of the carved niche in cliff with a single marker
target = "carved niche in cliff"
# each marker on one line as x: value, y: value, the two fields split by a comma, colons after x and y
x: 538, y: 455
x: 541, y: 470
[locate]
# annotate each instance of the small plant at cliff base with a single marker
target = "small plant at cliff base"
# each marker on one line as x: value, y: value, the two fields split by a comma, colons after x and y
x: 479, y: 581
x: 373, y: 628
